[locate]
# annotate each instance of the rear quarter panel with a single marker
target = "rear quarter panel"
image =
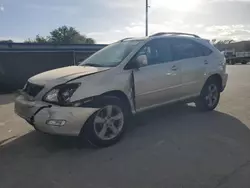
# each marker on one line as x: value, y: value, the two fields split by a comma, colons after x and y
x: 216, y: 62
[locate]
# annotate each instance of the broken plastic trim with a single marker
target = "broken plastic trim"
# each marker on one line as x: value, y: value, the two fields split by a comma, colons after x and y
x: 33, y: 116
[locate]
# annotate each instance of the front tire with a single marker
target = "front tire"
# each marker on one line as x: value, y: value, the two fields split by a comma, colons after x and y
x: 209, y: 97
x: 106, y: 126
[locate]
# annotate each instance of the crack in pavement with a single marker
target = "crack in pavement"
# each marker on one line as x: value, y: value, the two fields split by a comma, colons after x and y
x: 225, y: 179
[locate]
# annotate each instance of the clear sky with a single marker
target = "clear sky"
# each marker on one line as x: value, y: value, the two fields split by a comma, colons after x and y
x: 110, y: 20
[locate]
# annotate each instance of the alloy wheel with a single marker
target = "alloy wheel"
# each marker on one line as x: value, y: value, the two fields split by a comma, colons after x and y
x: 212, y: 95
x: 108, y: 122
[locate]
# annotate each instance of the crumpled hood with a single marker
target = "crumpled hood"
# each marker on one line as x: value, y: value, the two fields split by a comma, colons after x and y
x: 64, y: 74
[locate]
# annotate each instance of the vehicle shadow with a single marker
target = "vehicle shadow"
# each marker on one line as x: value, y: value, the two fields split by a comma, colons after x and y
x: 177, y: 140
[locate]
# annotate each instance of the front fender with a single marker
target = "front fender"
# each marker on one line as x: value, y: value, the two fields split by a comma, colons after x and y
x: 92, y: 89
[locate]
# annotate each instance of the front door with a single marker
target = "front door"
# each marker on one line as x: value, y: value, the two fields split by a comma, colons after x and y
x: 159, y: 80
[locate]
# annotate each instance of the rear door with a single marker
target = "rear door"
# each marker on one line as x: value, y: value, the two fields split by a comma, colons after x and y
x: 193, y: 59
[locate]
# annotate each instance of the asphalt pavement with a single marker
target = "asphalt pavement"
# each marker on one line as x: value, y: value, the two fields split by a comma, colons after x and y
x: 170, y: 147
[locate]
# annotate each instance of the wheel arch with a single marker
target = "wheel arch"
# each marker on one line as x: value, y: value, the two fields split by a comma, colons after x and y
x: 96, y: 99
x: 122, y: 96
x: 218, y: 79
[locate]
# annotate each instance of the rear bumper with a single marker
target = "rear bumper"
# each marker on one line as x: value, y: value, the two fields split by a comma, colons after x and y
x: 38, y: 114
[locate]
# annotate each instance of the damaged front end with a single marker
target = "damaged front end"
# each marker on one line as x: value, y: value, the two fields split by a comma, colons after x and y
x: 64, y: 107
x: 51, y: 118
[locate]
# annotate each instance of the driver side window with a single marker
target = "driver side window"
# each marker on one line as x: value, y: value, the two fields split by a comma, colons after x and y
x: 156, y: 52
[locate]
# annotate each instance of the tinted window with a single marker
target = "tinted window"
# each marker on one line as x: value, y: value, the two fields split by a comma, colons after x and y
x: 205, y: 50
x: 184, y: 49
x: 157, y: 51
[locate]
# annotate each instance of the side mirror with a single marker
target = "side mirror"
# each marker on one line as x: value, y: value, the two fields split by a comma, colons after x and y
x: 141, y: 61
x: 137, y: 62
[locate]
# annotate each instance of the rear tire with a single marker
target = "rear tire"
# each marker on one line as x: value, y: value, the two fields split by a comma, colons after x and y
x: 106, y: 126
x: 210, y: 96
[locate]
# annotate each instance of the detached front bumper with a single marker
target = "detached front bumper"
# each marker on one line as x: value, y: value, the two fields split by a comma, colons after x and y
x: 41, y: 114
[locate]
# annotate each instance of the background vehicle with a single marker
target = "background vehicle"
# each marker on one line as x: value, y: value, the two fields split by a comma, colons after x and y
x: 95, y: 98
x: 233, y: 57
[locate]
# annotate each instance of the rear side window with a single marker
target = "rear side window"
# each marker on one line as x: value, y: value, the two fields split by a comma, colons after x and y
x: 205, y: 50
x: 185, y: 49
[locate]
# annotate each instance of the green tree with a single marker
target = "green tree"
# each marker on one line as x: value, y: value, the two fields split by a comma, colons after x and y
x: 69, y: 35
x: 63, y: 35
x: 38, y: 39
x: 89, y: 41
x: 229, y: 41
x: 222, y: 44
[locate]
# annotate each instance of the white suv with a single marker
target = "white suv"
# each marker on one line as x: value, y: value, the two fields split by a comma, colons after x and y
x: 95, y: 98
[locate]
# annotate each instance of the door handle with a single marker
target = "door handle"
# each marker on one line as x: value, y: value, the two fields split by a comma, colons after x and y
x: 174, y: 68
x: 205, y: 62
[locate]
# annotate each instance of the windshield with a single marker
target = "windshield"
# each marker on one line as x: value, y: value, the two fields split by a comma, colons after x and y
x: 111, y: 55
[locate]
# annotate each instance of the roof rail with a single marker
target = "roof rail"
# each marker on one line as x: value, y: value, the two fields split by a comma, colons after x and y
x: 125, y: 39
x: 173, y: 33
